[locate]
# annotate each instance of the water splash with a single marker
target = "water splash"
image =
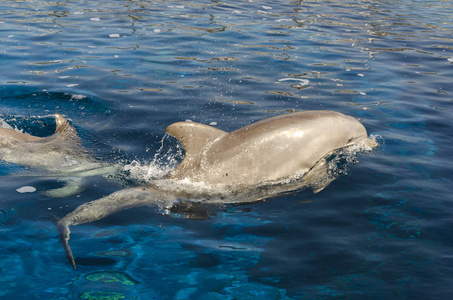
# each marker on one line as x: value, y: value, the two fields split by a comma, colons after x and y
x: 339, y: 162
x: 166, y: 158
x: 171, y: 152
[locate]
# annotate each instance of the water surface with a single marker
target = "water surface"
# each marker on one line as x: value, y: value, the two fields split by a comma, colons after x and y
x: 124, y: 70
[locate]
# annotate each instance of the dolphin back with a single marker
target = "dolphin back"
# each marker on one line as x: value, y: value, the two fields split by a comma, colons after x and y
x: 56, y: 153
x: 270, y: 150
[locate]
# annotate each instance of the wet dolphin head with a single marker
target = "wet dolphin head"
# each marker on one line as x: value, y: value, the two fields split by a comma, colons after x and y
x: 356, y: 133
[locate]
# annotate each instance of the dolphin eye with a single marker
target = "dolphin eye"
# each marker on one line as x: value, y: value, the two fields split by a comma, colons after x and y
x: 350, y: 140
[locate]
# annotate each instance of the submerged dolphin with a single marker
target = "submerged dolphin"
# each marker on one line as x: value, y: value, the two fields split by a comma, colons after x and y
x: 260, y: 160
x: 60, y: 154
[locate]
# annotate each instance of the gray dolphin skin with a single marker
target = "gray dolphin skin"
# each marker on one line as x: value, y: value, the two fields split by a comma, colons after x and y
x: 59, y: 155
x: 265, y: 151
x: 258, y: 161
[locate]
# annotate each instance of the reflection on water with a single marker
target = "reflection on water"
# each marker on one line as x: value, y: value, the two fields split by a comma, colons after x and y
x: 124, y: 70
x: 127, y: 42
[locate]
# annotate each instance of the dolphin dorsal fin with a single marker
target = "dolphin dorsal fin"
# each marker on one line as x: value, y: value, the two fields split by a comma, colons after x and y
x: 64, y: 129
x: 63, y: 132
x: 62, y: 123
x: 195, y: 137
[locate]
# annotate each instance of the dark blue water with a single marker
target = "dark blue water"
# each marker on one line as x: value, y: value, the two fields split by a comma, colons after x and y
x: 122, y: 71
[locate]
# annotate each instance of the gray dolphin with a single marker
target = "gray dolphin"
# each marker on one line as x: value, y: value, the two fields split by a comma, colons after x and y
x: 265, y: 151
x: 60, y: 155
x: 258, y: 161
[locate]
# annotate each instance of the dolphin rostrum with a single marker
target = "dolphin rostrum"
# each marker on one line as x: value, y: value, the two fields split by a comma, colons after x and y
x: 60, y: 154
x: 258, y: 161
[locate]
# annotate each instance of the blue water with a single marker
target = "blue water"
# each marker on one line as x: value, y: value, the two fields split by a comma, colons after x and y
x: 122, y: 71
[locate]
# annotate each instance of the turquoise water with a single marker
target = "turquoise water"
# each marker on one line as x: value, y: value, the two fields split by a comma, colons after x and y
x: 124, y: 70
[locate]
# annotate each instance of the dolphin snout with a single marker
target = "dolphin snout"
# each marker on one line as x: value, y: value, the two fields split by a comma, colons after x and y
x: 368, y: 143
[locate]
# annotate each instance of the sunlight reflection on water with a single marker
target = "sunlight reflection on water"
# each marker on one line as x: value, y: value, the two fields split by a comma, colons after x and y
x: 124, y: 70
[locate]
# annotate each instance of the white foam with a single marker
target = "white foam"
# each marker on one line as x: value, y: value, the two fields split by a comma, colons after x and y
x: 164, y: 161
x: 70, y: 162
x: 339, y: 163
x: 114, y: 35
x: 95, y: 19
x: 78, y: 97
x: 3, y: 124
x: 26, y: 189
x: 146, y: 172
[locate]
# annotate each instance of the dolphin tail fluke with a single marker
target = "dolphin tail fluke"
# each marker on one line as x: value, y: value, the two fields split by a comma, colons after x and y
x: 63, y: 230
x: 103, y: 207
x: 322, y: 185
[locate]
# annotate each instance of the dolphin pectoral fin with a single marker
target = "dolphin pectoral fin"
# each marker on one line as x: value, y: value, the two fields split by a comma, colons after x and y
x: 322, y: 185
x: 103, y: 207
x: 319, y: 176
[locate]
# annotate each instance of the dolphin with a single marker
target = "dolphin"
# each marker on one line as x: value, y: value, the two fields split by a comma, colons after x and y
x: 258, y: 161
x: 265, y: 151
x: 60, y: 154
